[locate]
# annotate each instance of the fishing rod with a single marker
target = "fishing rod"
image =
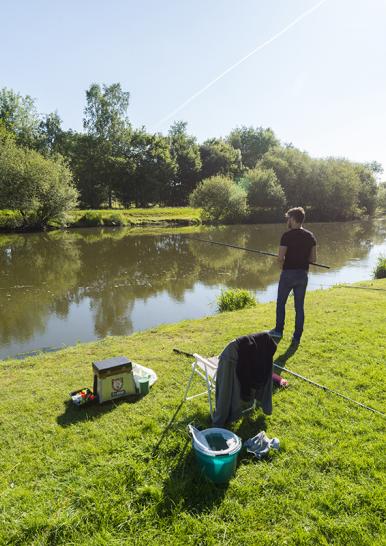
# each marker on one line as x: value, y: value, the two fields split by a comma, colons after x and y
x: 323, y: 387
x: 248, y: 249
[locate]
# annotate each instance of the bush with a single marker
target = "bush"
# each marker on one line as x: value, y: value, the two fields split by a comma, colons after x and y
x: 381, y: 196
x: 92, y: 218
x: 114, y: 219
x: 234, y: 299
x: 10, y: 220
x: 221, y: 199
x: 39, y: 189
x: 380, y: 268
x: 264, y: 189
x: 334, y: 190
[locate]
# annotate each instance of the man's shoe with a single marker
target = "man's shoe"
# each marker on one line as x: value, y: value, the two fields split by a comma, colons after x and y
x: 276, y: 334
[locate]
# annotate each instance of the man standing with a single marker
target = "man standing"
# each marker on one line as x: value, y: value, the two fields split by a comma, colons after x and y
x: 297, y: 249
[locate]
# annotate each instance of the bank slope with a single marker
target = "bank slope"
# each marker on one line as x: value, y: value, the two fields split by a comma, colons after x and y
x: 86, y: 476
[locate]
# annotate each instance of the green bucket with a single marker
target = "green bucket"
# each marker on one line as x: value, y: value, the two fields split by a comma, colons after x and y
x: 217, y: 459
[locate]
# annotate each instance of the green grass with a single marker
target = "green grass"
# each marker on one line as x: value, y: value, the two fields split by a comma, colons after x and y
x: 162, y: 216
x: 138, y: 217
x: 10, y: 220
x: 86, y: 476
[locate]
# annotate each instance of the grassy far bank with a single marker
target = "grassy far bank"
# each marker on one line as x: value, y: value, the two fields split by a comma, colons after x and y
x: 12, y: 220
x: 138, y: 216
x: 86, y: 476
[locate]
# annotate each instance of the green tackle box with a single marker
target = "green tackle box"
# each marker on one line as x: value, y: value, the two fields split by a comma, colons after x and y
x: 113, y: 378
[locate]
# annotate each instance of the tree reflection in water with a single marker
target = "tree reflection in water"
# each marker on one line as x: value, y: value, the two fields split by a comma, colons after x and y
x: 109, y: 271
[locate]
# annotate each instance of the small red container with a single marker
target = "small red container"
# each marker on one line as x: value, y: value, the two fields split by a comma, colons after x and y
x: 83, y: 396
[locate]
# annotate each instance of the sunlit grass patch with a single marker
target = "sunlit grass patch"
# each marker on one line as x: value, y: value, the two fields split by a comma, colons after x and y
x: 139, y: 216
x: 72, y: 475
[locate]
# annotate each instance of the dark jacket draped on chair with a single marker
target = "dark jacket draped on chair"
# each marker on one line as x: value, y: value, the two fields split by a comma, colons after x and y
x: 244, y: 373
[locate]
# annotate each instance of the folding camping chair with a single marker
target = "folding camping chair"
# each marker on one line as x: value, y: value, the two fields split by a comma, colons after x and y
x: 207, y: 369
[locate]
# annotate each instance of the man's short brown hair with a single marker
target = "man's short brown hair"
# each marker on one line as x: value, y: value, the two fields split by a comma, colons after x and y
x: 297, y: 213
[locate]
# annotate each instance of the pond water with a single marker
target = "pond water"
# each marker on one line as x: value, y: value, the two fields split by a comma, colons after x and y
x: 60, y: 287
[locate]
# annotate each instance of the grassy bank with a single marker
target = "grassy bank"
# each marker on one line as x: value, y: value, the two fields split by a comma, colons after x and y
x: 13, y: 221
x: 138, y: 217
x: 86, y: 476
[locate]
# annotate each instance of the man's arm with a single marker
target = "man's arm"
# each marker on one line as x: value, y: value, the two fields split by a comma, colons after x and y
x: 312, y: 258
x: 282, y: 253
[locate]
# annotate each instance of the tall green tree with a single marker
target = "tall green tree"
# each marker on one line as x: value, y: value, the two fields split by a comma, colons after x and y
x: 105, y: 114
x: 375, y: 167
x: 293, y: 169
x: 50, y: 134
x: 19, y: 116
x: 336, y: 186
x: 253, y: 143
x: 106, y: 121
x: 87, y: 164
x: 381, y: 196
x: 186, y: 154
x: 148, y: 169
x: 219, y: 158
x: 367, y: 197
x: 263, y: 189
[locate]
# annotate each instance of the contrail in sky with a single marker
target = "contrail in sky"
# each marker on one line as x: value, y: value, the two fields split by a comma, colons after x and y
x: 238, y: 63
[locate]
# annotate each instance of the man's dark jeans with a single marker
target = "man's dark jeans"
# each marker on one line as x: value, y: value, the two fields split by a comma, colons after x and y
x: 296, y: 280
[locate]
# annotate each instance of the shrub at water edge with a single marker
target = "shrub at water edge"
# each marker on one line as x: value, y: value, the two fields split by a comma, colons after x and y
x: 234, y: 299
x: 36, y: 188
x: 92, y: 218
x: 380, y: 268
x: 221, y: 200
x: 114, y: 219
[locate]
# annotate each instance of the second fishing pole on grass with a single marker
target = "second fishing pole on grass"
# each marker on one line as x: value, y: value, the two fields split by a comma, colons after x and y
x: 310, y: 381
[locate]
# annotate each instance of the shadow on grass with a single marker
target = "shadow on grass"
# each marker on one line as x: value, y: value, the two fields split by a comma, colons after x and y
x: 75, y: 414
x: 187, y: 487
x: 201, y: 420
x: 250, y: 425
x: 282, y: 359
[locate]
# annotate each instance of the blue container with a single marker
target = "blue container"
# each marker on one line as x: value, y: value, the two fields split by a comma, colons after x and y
x: 220, y: 461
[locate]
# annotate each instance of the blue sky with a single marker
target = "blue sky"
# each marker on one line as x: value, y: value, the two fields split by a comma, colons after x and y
x: 321, y: 85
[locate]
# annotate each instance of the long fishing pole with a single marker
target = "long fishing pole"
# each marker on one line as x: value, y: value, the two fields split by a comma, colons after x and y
x: 247, y: 249
x: 323, y: 387
x: 329, y: 390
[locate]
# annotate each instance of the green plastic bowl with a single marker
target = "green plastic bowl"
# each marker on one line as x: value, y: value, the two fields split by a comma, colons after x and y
x: 218, y: 468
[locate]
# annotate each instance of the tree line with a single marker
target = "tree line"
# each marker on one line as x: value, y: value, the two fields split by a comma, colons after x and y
x: 110, y: 163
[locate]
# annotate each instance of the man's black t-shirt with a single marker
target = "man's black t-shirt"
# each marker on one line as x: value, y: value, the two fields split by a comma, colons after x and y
x: 299, y: 243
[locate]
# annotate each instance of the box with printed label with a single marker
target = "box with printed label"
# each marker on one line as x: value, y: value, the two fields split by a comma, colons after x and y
x: 113, y: 378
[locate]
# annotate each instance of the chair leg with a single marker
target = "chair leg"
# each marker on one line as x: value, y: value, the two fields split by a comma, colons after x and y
x: 189, y: 383
x: 209, y: 385
x: 210, y: 401
x: 251, y: 407
x: 209, y: 392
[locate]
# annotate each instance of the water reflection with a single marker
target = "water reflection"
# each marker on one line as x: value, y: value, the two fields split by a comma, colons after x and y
x: 62, y: 287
